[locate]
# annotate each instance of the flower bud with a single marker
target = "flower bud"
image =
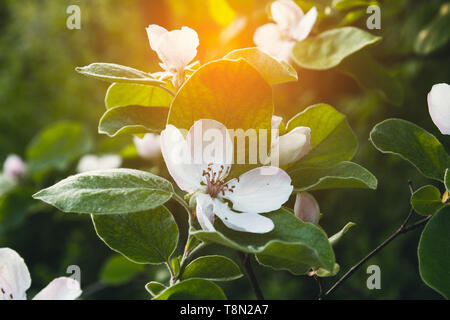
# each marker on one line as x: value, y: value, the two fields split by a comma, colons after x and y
x: 13, y: 167
x: 306, y: 208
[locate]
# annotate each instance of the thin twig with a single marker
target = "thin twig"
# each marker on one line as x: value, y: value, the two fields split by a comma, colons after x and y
x: 401, y: 230
x: 319, y: 284
x: 245, y: 260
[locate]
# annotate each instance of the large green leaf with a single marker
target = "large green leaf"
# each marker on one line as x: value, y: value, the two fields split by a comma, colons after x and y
x: 217, y: 268
x: 328, y: 49
x: 272, y: 70
x: 427, y: 200
x: 229, y: 91
x: 112, y: 72
x: 332, y: 139
x: 293, y: 245
x: 133, y: 119
x: 344, y: 175
x: 128, y: 94
x: 435, y: 35
x: 119, y: 270
x: 413, y: 144
x: 192, y: 289
x: 369, y: 74
x: 110, y: 191
x: 143, y: 237
x: 434, y: 246
x: 57, y: 146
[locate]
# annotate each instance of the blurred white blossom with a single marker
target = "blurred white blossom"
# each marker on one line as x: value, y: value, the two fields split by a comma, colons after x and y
x: 92, y: 162
x: 439, y: 106
x: 13, y: 167
x: 149, y: 146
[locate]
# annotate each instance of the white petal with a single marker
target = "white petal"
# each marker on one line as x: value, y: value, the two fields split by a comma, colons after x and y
x: 149, y: 146
x: 177, y: 157
x: 269, y: 38
x: 306, y: 208
x: 260, y: 190
x: 177, y: 48
x: 205, y: 212
x: 154, y: 33
x: 14, y: 275
x: 92, y: 162
x: 247, y: 222
x: 293, y: 145
x: 62, y: 288
x: 304, y: 27
x: 286, y: 13
x: 439, y: 106
x: 209, y: 142
x: 13, y: 167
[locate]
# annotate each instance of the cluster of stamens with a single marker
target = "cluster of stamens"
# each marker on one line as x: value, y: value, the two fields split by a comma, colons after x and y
x: 215, y: 183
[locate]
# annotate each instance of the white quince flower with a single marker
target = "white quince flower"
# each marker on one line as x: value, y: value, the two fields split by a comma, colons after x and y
x: 92, y: 162
x: 13, y: 167
x: 149, y: 146
x: 15, y: 280
x: 202, y: 169
x: 306, y: 208
x: 292, y: 146
x: 176, y: 49
x: 291, y: 25
x: 439, y: 106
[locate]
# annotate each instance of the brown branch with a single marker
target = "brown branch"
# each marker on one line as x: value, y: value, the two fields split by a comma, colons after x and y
x: 245, y: 260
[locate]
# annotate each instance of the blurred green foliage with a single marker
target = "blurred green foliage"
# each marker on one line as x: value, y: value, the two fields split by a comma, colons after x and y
x: 38, y: 55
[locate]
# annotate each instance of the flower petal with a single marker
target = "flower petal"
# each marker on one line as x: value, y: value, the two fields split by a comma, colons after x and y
x: 177, y: 48
x: 306, y: 208
x: 269, y: 38
x: 304, y: 27
x: 293, y: 145
x: 286, y: 13
x: 247, y: 222
x: 62, y: 288
x: 149, y: 146
x: 260, y: 190
x: 154, y: 33
x: 439, y: 106
x: 179, y: 162
x: 205, y: 212
x: 14, y: 275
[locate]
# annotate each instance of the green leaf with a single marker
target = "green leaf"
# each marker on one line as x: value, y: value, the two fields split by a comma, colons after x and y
x: 14, y: 207
x: 128, y: 94
x: 344, y: 175
x: 334, y: 239
x: 328, y: 49
x: 293, y: 245
x: 57, y: 146
x: 220, y: 90
x: 110, y: 191
x: 192, y: 289
x: 447, y: 179
x: 154, y: 288
x: 216, y: 268
x: 427, y: 200
x: 112, y: 72
x: 6, y: 184
x: 325, y: 273
x: 133, y: 119
x: 434, y: 246
x: 412, y: 143
x: 435, y: 35
x: 332, y: 139
x: 343, y: 5
x: 370, y: 74
x: 143, y: 237
x: 119, y: 270
x: 272, y: 70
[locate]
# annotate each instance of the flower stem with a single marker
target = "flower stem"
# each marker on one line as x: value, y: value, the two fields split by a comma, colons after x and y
x: 245, y: 260
x: 401, y: 230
